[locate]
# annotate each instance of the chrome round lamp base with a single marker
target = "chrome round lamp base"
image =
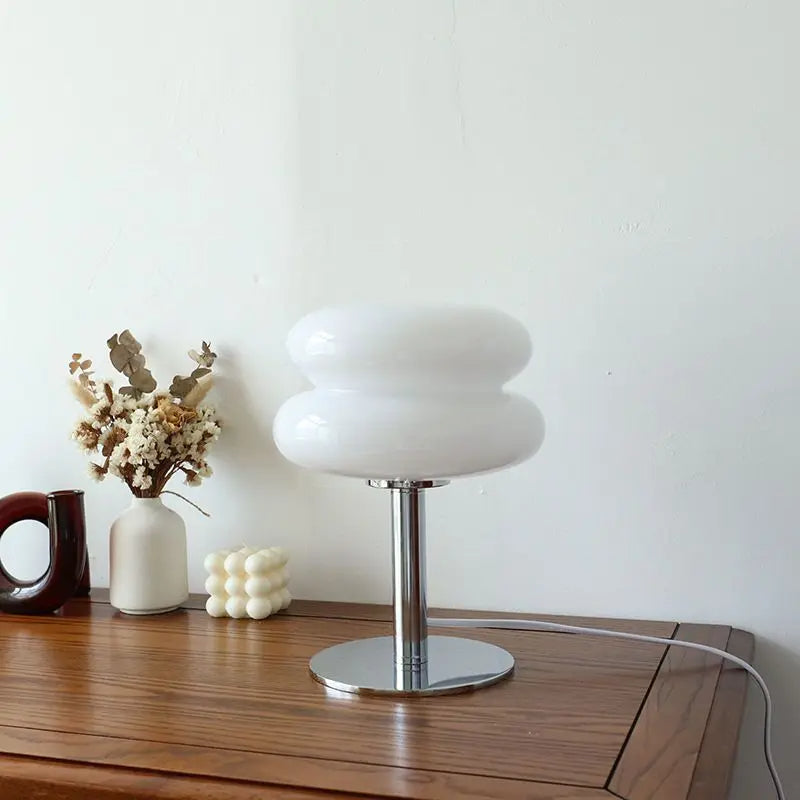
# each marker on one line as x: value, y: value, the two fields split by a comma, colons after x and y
x: 367, y: 666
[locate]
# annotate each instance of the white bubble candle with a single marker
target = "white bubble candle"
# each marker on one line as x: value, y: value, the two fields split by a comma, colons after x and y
x: 247, y: 582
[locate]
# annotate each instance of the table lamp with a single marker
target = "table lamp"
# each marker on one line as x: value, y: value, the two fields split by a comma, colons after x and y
x: 409, y: 398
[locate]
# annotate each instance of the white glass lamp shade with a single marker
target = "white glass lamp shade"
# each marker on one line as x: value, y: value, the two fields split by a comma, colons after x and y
x: 410, y: 393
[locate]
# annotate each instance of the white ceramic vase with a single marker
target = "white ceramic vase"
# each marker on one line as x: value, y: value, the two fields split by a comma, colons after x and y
x: 147, y: 561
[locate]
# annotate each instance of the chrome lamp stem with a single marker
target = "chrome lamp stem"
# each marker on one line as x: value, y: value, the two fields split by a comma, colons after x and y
x: 410, y: 663
x: 409, y: 573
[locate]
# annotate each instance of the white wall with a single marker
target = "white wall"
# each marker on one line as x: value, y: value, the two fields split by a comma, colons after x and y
x: 622, y: 176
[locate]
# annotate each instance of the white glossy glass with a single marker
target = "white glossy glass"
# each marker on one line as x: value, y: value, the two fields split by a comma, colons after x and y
x: 412, y: 393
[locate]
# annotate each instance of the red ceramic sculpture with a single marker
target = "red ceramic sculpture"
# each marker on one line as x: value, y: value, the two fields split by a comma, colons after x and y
x: 67, y: 574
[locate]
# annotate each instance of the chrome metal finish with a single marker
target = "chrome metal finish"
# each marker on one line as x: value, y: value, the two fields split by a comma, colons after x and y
x: 402, y: 484
x: 408, y: 565
x: 409, y: 573
x: 410, y: 662
x: 366, y: 666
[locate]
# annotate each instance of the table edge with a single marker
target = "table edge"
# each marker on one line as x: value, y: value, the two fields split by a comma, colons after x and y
x: 712, y: 775
x: 712, y: 769
x: 382, y: 612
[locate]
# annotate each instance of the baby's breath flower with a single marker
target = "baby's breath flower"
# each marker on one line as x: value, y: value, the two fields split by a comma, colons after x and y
x: 87, y: 435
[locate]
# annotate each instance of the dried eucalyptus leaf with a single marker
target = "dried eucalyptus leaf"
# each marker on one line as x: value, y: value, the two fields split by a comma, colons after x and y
x: 125, y: 361
x: 119, y: 357
x: 135, y: 363
x: 200, y: 371
x: 86, y: 364
x: 127, y: 339
x: 72, y: 367
x: 129, y: 390
x: 195, y: 356
x: 112, y: 343
x: 181, y: 386
x: 76, y: 356
x: 109, y: 393
x: 143, y: 380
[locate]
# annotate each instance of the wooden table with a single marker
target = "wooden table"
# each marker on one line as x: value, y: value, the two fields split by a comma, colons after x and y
x: 97, y: 705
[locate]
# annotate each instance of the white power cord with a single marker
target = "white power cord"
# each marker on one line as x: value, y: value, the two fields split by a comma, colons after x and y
x: 536, y: 625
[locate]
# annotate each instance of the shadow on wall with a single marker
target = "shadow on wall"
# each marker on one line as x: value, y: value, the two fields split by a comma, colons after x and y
x: 347, y: 539
x: 260, y: 477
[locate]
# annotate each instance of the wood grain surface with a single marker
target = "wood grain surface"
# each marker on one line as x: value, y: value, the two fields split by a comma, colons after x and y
x: 62, y: 781
x: 659, y: 759
x: 184, y: 706
x: 712, y: 775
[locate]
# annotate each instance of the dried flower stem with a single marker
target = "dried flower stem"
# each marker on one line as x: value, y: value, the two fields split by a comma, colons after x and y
x: 187, y: 500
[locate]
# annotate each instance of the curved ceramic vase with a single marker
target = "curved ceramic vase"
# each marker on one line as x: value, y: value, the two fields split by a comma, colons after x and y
x: 147, y: 559
x: 67, y: 572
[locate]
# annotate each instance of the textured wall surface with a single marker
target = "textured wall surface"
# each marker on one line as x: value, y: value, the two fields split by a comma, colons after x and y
x: 621, y: 176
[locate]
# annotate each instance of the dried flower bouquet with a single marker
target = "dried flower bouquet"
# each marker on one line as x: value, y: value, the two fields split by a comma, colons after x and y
x: 145, y: 437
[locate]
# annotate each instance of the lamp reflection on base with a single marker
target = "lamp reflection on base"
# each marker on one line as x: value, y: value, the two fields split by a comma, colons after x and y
x: 367, y: 666
x: 410, y: 662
